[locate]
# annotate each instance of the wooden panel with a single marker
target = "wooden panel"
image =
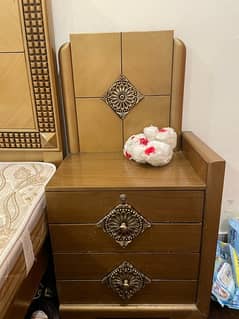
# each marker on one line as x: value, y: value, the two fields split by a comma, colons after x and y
x: 29, y: 119
x: 156, y: 206
x: 156, y: 266
x: 100, y: 130
x: 92, y: 311
x: 10, y: 27
x: 179, y: 57
x: 198, y: 153
x: 152, y: 110
x: 96, y: 62
x: 16, y: 111
x: 25, y: 293
x: 147, y: 60
x: 211, y: 168
x: 69, y: 98
x: 15, y: 278
x: 83, y: 292
x: 160, y: 237
x: 113, y: 171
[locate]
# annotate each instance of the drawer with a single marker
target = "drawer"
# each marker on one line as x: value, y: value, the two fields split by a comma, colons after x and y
x: 160, y: 238
x: 156, y: 292
x: 157, y: 206
x: 156, y: 266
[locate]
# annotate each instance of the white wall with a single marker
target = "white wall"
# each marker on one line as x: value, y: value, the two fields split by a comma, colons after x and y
x: 210, y: 30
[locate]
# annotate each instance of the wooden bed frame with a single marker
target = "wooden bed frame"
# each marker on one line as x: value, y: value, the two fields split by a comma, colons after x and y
x: 30, y: 128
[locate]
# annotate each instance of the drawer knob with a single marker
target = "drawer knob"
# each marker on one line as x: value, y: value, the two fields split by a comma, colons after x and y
x: 123, y: 226
x: 126, y: 280
x: 126, y: 283
x: 123, y: 223
x: 123, y: 198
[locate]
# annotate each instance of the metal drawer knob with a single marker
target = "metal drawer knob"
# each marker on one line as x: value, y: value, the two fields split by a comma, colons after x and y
x: 126, y: 280
x: 123, y: 226
x: 126, y: 283
x: 123, y: 223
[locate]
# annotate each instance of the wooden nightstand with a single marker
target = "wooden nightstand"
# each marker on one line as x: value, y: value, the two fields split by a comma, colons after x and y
x: 131, y: 240
x: 133, y: 235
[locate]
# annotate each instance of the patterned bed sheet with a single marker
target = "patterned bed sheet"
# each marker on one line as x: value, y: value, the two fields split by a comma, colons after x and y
x: 22, y: 203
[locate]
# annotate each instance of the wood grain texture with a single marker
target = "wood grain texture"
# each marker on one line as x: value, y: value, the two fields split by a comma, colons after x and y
x: 16, y: 110
x: 163, y: 292
x: 147, y: 61
x: 179, y: 57
x: 156, y: 206
x: 100, y: 129
x: 31, y: 156
x: 158, y: 238
x: 215, y: 178
x: 92, y: 311
x: 96, y: 62
x: 198, y: 153
x: 152, y: 110
x: 156, y: 266
x: 15, y: 278
x: 69, y: 98
x: 28, y: 287
x: 10, y: 27
x: 113, y: 171
x: 30, y: 128
x: 211, y: 168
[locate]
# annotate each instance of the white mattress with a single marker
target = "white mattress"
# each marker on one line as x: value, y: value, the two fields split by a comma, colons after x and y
x: 22, y: 203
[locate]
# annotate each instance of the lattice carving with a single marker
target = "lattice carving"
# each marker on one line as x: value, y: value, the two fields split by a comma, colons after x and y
x: 123, y: 223
x: 20, y: 140
x: 38, y: 61
x: 122, y: 96
x: 126, y: 280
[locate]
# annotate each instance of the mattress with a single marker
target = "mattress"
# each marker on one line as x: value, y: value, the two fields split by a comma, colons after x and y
x: 22, y: 222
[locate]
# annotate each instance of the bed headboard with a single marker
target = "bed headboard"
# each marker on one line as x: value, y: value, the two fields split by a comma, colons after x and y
x: 115, y: 84
x: 29, y: 110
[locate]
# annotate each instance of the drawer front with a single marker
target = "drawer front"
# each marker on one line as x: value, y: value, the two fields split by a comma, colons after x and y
x: 157, y: 206
x: 156, y: 266
x: 160, y: 238
x: 156, y: 292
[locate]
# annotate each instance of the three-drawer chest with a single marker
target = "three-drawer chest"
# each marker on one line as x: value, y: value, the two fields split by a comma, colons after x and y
x: 131, y: 240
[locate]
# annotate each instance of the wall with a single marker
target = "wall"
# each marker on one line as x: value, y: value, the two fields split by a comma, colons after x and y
x: 210, y: 30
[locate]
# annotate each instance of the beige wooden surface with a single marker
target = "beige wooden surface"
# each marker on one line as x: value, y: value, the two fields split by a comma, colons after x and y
x: 152, y: 110
x: 10, y: 27
x: 96, y: 62
x: 100, y: 130
x: 69, y: 98
x: 147, y: 60
x: 30, y: 127
x: 179, y: 57
x: 16, y: 109
x: 113, y: 171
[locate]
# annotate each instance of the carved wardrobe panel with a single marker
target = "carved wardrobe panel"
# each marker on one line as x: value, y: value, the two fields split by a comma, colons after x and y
x: 29, y: 117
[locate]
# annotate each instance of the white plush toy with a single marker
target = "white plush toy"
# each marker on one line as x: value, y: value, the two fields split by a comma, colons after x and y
x: 155, y: 146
